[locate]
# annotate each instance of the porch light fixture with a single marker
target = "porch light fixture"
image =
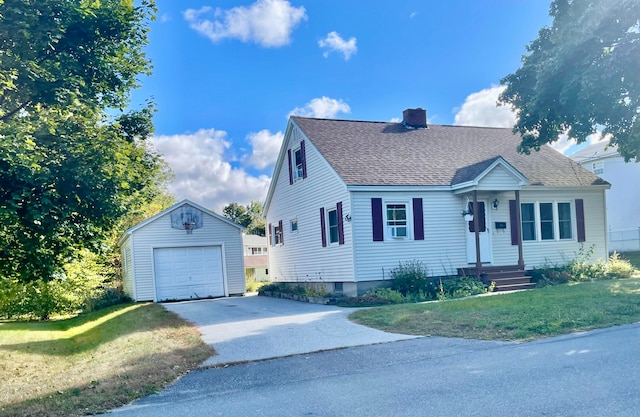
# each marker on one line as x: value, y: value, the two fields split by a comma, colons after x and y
x: 347, y: 217
x: 495, y: 204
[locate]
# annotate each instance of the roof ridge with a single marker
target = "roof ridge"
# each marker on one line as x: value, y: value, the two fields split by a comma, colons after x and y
x: 391, y: 122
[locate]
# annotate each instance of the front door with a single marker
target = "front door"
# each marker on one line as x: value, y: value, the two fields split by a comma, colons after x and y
x: 486, y: 254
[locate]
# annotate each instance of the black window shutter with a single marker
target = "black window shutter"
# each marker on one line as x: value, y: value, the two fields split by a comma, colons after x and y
x: 290, y: 168
x: 513, y: 218
x: 270, y: 235
x: 580, y: 220
x: 323, y: 230
x: 281, y: 232
x: 340, y: 224
x: 418, y: 219
x: 303, y: 155
x: 376, y: 219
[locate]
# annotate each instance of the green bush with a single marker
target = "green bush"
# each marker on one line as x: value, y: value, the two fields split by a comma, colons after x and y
x: 619, y: 268
x: 460, y: 287
x: 580, y: 269
x: 274, y: 286
x: 393, y: 296
x: 87, y: 284
x: 411, y: 278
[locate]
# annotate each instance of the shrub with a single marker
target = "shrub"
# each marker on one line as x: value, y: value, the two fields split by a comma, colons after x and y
x: 410, y: 277
x: 315, y: 290
x: 581, y: 269
x: 273, y: 286
x: 618, y: 267
x: 387, y: 294
x: 87, y: 284
x: 460, y: 287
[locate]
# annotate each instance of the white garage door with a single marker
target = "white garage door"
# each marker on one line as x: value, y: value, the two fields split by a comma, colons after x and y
x: 188, y: 273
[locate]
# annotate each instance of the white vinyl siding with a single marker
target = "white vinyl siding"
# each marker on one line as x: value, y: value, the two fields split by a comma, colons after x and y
x: 442, y: 250
x: 302, y: 257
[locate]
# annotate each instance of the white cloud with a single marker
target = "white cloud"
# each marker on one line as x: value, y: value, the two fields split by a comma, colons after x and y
x: 324, y: 108
x: 266, y: 22
x: 481, y: 109
x: 333, y: 42
x: 202, y: 174
x: 266, y: 146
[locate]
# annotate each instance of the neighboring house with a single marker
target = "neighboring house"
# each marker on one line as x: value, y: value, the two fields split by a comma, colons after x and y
x: 349, y: 200
x: 256, y: 258
x: 185, y: 252
x: 623, y: 199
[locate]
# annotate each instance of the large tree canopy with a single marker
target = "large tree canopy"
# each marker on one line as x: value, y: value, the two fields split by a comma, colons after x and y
x: 72, y: 159
x: 581, y: 75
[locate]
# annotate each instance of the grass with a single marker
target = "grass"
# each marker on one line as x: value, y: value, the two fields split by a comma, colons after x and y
x: 526, y: 315
x: 95, y: 362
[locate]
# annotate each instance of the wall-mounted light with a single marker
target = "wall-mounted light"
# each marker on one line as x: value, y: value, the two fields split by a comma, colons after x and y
x: 347, y: 217
x: 495, y: 204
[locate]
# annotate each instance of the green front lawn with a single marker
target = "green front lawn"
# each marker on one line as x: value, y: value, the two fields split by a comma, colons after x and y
x: 525, y: 315
x: 95, y: 362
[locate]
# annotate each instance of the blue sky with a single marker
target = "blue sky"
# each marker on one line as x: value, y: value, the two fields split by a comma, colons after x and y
x: 227, y: 74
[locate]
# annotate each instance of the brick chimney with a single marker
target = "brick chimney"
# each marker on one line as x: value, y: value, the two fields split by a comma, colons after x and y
x: 415, y: 118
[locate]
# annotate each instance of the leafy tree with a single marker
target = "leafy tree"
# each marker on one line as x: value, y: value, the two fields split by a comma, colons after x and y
x: 249, y: 216
x: 581, y: 74
x: 72, y: 160
x: 237, y: 213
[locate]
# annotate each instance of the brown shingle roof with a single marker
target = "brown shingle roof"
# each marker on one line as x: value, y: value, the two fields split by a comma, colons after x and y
x: 382, y: 153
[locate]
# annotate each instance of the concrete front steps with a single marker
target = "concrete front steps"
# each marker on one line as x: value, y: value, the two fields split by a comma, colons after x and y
x: 506, y: 278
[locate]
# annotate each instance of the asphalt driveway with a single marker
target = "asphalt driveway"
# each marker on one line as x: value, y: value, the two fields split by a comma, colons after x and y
x: 254, y: 328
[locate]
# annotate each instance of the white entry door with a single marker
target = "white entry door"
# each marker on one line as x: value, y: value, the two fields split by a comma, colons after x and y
x: 486, y: 253
x: 188, y: 273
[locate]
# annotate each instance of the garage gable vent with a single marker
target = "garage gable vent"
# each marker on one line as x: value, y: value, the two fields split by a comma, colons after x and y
x: 186, y: 218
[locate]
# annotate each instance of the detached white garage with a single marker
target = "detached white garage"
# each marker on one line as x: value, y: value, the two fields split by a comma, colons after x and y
x: 185, y: 252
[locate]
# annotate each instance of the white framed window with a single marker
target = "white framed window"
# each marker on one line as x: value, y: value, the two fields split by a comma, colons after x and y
x: 294, y: 225
x: 332, y: 217
x: 396, y: 215
x: 297, y: 165
x: 597, y: 167
x: 258, y: 250
x: 546, y: 221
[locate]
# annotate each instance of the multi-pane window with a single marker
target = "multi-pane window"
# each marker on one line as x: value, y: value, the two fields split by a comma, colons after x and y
x: 297, y: 167
x: 334, y: 235
x: 546, y: 221
x: 597, y: 168
x: 528, y: 216
x: 258, y: 251
x: 564, y: 220
x: 397, y: 220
